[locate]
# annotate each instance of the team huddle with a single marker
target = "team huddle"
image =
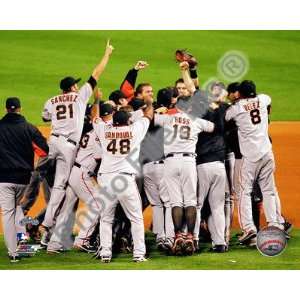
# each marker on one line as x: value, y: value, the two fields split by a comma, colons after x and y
x: 191, y: 155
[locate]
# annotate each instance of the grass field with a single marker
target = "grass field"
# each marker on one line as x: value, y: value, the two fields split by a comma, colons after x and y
x: 238, y: 258
x: 33, y: 62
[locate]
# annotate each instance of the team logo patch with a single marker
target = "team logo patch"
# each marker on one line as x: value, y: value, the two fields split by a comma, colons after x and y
x: 271, y: 241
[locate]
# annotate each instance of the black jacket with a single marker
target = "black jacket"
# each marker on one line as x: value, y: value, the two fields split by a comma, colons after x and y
x: 211, y: 146
x: 19, y: 140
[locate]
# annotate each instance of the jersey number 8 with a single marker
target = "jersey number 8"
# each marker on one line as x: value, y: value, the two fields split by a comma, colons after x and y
x: 124, y: 146
x: 255, y: 116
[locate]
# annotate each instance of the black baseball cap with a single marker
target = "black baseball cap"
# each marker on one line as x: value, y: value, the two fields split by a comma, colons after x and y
x: 105, y: 109
x: 164, y: 97
x: 247, y: 89
x: 116, y: 96
x: 121, y: 118
x: 67, y: 82
x: 136, y: 103
x: 13, y: 103
x: 233, y: 87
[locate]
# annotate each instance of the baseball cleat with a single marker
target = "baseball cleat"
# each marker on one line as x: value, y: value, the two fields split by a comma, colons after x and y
x: 14, y: 258
x: 45, y: 235
x: 86, y: 248
x: 287, y: 227
x: 55, y: 251
x: 252, y: 242
x: 247, y: 236
x: 125, y: 245
x: 168, y: 244
x: 178, y: 244
x: 196, y: 245
x: 160, y: 244
x: 106, y: 259
x: 219, y: 249
x: 139, y: 259
x: 188, y: 245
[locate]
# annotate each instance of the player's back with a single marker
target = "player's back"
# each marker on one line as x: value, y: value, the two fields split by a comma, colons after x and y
x: 252, y: 121
x: 181, y: 131
x: 121, y: 145
x: 66, y: 112
x: 89, y: 151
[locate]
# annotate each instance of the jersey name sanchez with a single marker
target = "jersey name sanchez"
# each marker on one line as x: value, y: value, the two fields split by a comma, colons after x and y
x: 89, y: 151
x: 181, y: 131
x: 251, y: 117
x: 120, y: 145
x: 66, y: 112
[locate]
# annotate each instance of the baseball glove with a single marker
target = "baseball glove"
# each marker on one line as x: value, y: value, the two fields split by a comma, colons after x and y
x: 182, y: 55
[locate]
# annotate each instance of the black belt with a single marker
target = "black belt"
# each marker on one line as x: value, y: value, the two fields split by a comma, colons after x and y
x: 183, y: 154
x: 125, y: 173
x: 76, y: 164
x: 158, y: 162
x: 122, y: 173
x: 68, y: 140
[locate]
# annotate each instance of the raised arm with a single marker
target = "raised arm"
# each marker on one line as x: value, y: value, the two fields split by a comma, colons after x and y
x: 128, y: 84
x: 184, y: 68
x: 101, y: 66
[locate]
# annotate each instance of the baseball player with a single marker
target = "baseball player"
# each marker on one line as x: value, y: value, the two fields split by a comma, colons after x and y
x: 19, y: 140
x: 152, y: 158
x: 256, y: 195
x: 251, y: 116
x: 82, y: 186
x: 66, y: 113
x: 211, y: 153
x: 180, y: 136
x: 120, y: 143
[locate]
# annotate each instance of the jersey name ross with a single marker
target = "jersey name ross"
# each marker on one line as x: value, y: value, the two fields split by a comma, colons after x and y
x: 182, y: 120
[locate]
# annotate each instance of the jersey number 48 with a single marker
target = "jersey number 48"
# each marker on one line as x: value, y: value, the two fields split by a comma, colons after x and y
x: 123, y: 147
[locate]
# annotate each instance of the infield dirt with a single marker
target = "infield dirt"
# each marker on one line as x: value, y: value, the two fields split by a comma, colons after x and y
x: 286, y: 146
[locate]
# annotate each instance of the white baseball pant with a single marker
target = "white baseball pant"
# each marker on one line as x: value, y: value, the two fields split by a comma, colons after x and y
x: 211, y: 184
x: 180, y: 176
x: 263, y: 171
x: 157, y: 194
x: 121, y: 188
x: 236, y: 183
x: 64, y: 153
x: 84, y: 187
x: 10, y: 196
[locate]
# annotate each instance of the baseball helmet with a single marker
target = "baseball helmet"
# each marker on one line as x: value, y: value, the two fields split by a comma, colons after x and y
x: 67, y: 82
x: 164, y: 97
x: 116, y: 96
x: 121, y: 118
x: 136, y: 103
x: 247, y: 89
x: 233, y: 87
x: 105, y: 109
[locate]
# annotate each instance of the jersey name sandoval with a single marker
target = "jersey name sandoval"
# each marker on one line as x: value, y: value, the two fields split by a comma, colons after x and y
x: 251, y: 117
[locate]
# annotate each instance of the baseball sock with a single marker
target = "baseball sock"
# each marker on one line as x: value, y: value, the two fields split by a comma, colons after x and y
x: 190, y: 218
x: 177, y: 216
